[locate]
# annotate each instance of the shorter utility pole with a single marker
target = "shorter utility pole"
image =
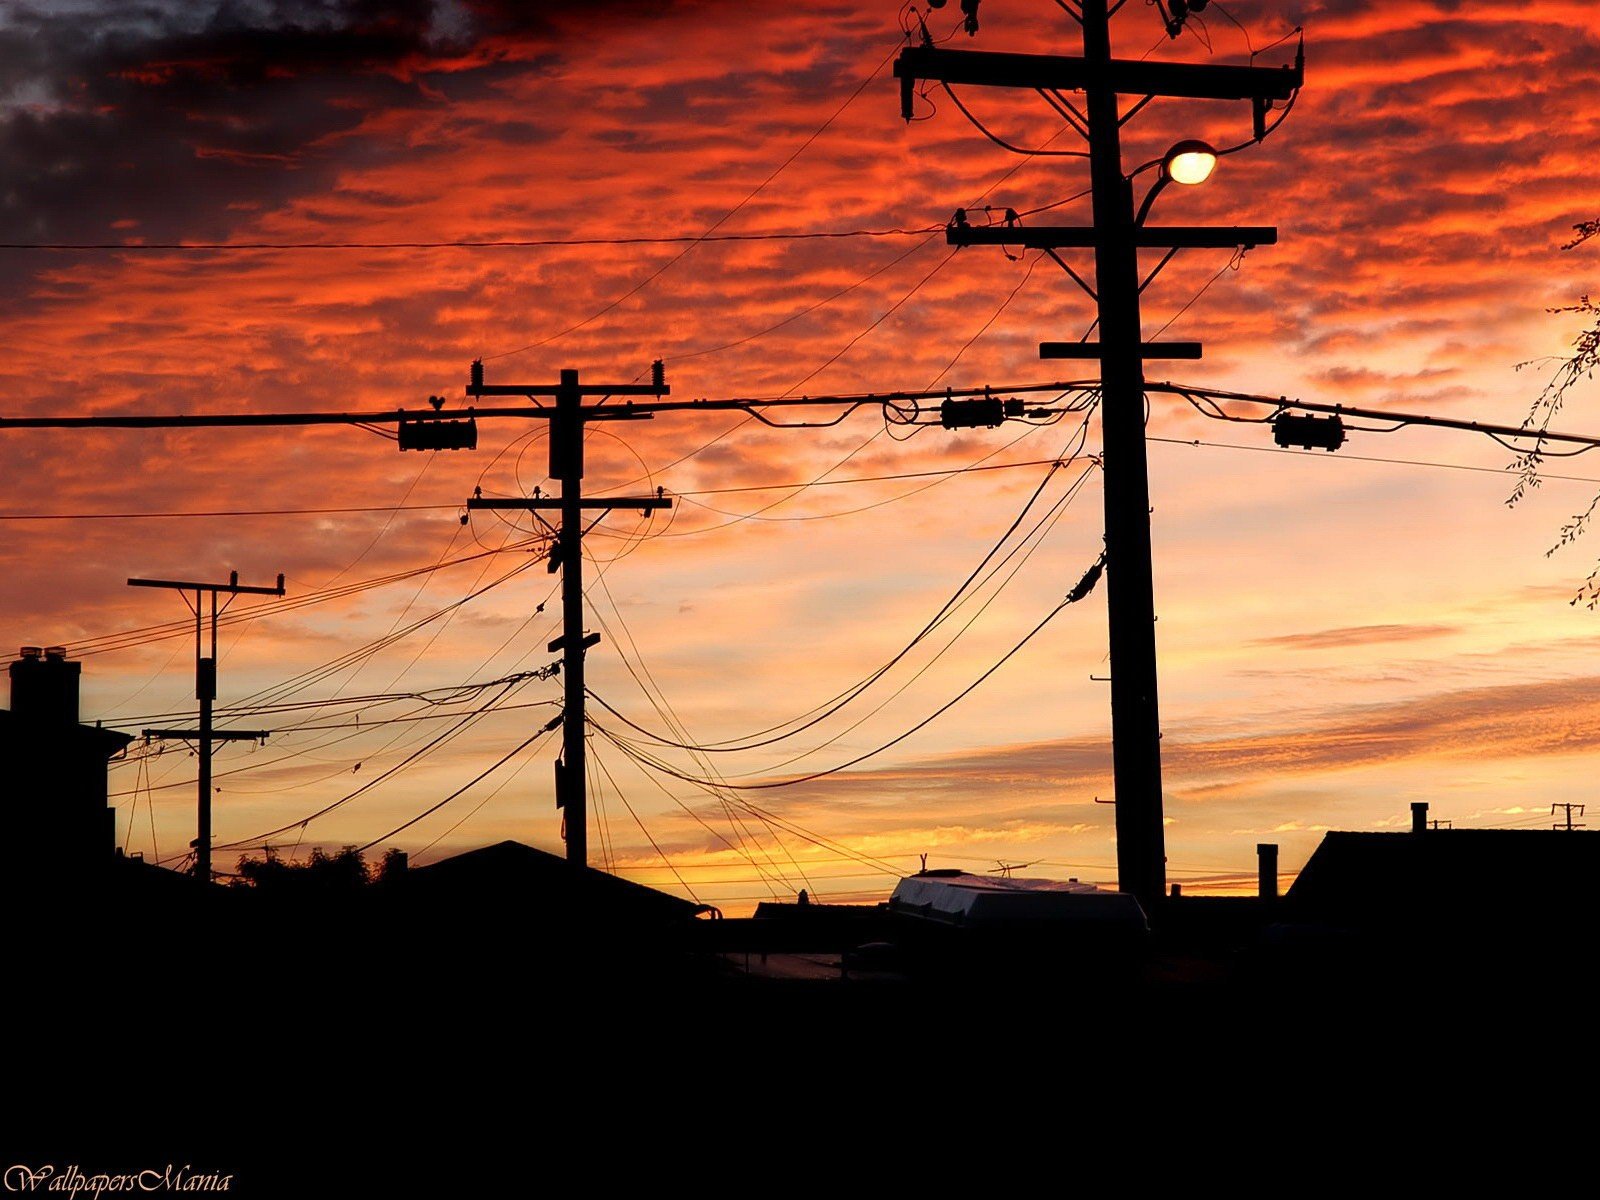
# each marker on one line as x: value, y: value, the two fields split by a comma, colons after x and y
x: 205, y: 690
x: 567, y: 420
x: 1568, y: 825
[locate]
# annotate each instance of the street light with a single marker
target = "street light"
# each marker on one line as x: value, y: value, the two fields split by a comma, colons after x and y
x: 1189, y: 162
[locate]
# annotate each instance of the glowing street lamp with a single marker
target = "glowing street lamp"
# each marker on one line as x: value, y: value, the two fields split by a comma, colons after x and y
x: 1189, y: 162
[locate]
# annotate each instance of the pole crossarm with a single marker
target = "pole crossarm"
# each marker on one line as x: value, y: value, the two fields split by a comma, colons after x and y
x: 554, y: 389
x: 640, y: 502
x: 1094, y: 350
x: 217, y: 735
x: 233, y: 587
x: 1054, y: 237
x: 1194, y: 81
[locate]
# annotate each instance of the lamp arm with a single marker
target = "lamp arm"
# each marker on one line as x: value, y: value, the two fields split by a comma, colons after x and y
x: 1150, y: 196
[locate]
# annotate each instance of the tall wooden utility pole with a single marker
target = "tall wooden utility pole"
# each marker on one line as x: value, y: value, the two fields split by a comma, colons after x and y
x: 205, y: 690
x: 1116, y: 238
x: 567, y: 421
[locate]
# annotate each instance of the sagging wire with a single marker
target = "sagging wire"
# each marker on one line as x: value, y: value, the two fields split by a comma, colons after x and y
x: 482, y: 775
x: 1022, y: 551
x: 1039, y: 152
x: 1233, y: 264
x: 1079, y: 591
x: 816, y: 715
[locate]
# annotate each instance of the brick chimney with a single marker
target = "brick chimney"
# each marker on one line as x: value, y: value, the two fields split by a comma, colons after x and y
x: 1419, y: 816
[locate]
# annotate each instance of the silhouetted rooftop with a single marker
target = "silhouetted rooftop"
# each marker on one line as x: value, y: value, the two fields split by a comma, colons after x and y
x: 1497, y: 875
x: 29, y: 732
x: 511, y: 871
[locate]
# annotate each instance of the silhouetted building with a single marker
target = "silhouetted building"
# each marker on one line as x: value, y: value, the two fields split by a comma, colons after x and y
x: 542, y: 888
x: 1452, y: 881
x: 53, y: 770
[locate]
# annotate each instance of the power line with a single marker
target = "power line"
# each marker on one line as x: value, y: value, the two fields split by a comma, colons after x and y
x: 1001, y: 142
x: 1082, y: 589
x: 823, y: 711
x: 723, y: 491
x: 710, y: 232
x: 806, y: 311
x: 448, y: 735
x: 664, y: 709
x: 937, y: 477
x: 429, y: 811
x: 231, y: 512
x: 159, y: 632
x: 1036, y: 536
x: 471, y: 244
x: 308, y: 678
x: 428, y: 696
x: 1372, y: 458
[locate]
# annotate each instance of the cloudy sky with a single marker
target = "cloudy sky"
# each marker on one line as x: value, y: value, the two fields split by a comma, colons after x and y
x: 1340, y: 635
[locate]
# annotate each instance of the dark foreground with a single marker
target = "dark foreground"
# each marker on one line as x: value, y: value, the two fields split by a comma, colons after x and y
x: 312, y: 1049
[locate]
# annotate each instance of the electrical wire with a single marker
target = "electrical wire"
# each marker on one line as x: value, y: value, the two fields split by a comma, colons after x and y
x: 500, y: 787
x: 695, y: 492
x: 664, y: 709
x: 644, y: 759
x: 448, y: 735
x: 621, y: 795
x: 1233, y: 264
x: 940, y: 477
x: 1001, y: 142
x: 827, y: 708
x: 480, y: 777
x: 483, y: 244
x: 710, y: 232
x: 1023, y: 551
x: 143, y: 635
x: 810, y: 308
x: 310, y: 677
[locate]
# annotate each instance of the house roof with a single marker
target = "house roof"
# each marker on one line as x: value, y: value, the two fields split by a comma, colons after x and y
x: 1509, y: 874
x: 511, y: 871
x: 86, y: 738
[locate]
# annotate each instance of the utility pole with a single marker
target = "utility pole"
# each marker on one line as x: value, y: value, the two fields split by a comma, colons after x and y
x: 1116, y: 237
x: 567, y: 421
x: 1568, y: 824
x: 205, y: 690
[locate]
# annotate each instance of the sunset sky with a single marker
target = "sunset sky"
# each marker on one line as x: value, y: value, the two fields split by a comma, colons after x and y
x: 1339, y: 634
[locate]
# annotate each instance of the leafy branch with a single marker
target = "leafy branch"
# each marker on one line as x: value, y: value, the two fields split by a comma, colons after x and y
x: 1580, y: 364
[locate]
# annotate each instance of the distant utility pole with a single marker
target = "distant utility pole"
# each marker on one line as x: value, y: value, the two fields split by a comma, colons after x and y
x: 567, y: 421
x: 1568, y: 825
x: 439, y: 428
x: 205, y: 690
x: 1116, y: 237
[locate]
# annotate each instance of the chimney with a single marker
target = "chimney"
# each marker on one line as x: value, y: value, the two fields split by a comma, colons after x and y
x: 1419, y: 816
x: 1267, y: 870
x: 44, y: 686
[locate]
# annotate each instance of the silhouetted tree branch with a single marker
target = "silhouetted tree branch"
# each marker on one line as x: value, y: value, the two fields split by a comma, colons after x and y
x: 1578, y: 365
